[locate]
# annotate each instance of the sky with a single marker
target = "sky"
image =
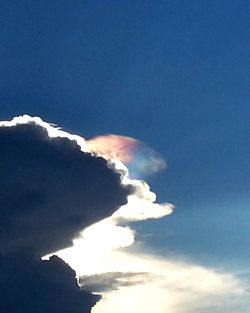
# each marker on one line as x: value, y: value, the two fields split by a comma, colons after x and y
x: 172, y: 74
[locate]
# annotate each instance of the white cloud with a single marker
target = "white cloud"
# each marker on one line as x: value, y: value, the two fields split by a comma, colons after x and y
x: 114, y: 232
x: 172, y: 286
x: 168, y: 286
x: 100, y: 240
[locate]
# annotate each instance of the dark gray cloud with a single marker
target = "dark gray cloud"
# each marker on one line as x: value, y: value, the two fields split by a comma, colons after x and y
x: 50, y: 190
x: 113, y: 280
x: 35, y: 286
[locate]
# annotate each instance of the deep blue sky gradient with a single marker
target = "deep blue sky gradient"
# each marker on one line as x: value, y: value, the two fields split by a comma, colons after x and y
x: 175, y: 74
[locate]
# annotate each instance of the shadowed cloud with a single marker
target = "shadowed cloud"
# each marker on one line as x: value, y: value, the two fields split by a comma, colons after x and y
x: 113, y: 280
x: 50, y: 190
x: 36, y: 286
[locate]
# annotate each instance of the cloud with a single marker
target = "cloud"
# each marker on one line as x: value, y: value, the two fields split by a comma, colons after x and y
x: 102, y: 239
x: 131, y: 281
x: 140, y: 159
x: 28, y: 285
x: 159, y: 285
x: 134, y: 281
x: 51, y: 187
x: 112, y: 281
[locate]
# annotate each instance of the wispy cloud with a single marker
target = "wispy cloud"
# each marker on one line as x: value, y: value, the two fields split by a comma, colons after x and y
x: 171, y: 286
x: 110, y: 281
x: 136, y: 282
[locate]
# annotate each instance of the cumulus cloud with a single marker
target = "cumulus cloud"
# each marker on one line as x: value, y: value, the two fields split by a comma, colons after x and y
x: 135, y: 282
x: 28, y: 285
x: 104, y: 238
x: 115, y: 232
x: 50, y: 188
x: 53, y: 187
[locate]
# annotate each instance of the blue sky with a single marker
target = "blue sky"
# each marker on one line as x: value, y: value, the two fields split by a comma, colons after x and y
x: 174, y: 74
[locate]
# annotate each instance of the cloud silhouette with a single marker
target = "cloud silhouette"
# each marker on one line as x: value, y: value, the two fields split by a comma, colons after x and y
x: 50, y: 189
x: 35, y: 286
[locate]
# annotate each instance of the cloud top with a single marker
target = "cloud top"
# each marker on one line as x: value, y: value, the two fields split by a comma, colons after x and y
x: 51, y: 187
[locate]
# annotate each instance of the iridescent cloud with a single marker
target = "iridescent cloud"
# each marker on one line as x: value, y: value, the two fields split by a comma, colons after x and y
x: 140, y: 159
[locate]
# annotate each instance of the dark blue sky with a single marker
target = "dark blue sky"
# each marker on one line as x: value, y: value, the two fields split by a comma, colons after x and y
x: 175, y: 74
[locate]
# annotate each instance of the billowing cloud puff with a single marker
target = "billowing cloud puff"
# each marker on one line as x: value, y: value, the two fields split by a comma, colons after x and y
x: 115, y: 231
x: 102, y: 239
x: 50, y: 188
x: 53, y: 185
